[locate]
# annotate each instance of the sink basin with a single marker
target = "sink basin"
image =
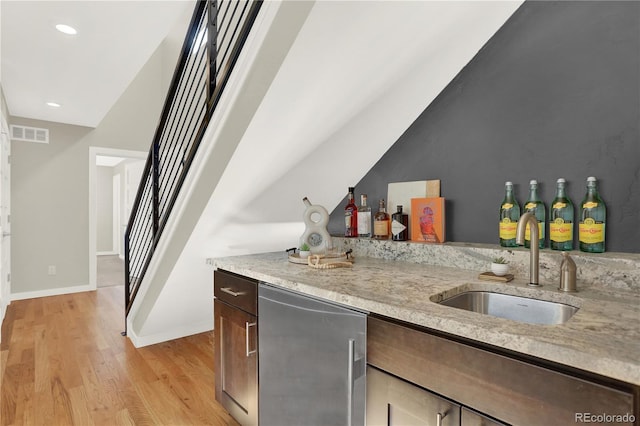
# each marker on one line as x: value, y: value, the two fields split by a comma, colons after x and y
x: 517, y: 308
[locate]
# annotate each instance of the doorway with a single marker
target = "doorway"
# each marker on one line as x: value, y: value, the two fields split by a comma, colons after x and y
x: 114, y: 176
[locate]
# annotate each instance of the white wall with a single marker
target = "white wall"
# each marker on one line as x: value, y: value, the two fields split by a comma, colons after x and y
x: 4, y: 298
x: 104, y: 201
x: 130, y: 172
x: 5, y: 241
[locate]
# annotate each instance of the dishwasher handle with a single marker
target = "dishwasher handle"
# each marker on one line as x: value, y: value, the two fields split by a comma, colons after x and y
x: 356, y: 369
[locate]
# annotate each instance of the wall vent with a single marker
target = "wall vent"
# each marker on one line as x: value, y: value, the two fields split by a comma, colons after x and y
x: 29, y: 134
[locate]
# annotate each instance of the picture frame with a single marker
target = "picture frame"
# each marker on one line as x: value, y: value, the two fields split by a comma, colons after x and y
x: 427, y: 220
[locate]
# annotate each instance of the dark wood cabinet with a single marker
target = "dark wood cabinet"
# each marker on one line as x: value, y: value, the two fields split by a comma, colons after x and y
x: 471, y: 418
x: 498, y: 385
x: 236, y: 346
x: 395, y: 402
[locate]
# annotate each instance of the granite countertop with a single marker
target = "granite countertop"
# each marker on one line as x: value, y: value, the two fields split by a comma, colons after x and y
x: 603, y: 337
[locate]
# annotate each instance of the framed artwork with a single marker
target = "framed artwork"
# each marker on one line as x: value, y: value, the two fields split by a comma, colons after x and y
x: 427, y: 220
x: 401, y: 193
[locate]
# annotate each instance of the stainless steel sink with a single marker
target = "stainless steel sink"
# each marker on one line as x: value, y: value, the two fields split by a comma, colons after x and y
x: 517, y: 308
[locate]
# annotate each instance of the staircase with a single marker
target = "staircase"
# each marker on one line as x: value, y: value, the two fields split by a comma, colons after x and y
x: 318, y: 94
x: 214, y: 40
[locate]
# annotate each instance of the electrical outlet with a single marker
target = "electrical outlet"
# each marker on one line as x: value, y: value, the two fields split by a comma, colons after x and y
x: 52, y: 269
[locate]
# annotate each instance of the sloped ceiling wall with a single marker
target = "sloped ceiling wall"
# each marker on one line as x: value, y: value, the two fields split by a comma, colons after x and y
x: 344, y: 95
x: 356, y: 77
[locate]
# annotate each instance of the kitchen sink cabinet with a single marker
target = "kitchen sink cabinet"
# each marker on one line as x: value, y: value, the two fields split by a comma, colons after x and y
x: 413, y: 373
x: 501, y: 386
x: 471, y: 418
x: 395, y: 402
x: 236, y: 360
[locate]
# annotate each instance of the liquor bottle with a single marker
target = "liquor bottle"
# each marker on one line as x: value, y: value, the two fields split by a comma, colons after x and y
x: 561, y: 220
x: 399, y: 225
x: 509, y: 215
x: 381, y: 223
x: 364, y: 217
x: 593, y: 216
x: 350, y: 216
x: 536, y: 207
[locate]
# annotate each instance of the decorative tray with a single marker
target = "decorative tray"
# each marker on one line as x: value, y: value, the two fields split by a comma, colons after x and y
x: 324, y: 258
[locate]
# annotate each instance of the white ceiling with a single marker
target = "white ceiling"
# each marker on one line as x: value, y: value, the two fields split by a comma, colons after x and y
x: 85, y: 73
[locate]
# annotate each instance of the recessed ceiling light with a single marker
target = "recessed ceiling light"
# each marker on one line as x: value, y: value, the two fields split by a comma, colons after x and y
x: 66, y: 29
x: 53, y: 104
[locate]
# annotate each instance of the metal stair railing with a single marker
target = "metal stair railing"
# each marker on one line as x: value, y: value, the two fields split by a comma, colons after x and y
x: 204, y: 66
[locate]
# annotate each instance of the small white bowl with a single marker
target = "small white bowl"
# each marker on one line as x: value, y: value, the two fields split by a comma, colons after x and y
x: 304, y: 254
x: 499, y: 269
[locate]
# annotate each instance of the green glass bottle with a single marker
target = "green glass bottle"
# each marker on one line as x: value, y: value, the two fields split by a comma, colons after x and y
x: 593, y: 217
x: 535, y: 206
x: 561, y: 219
x: 509, y: 215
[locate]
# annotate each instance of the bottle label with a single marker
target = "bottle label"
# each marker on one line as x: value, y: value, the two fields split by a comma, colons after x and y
x: 507, y: 206
x: 591, y: 232
x: 508, y: 229
x: 559, y: 205
x: 397, y: 227
x: 347, y: 220
x: 350, y: 228
x: 560, y: 231
x: 527, y: 232
x: 530, y: 206
x: 364, y: 223
x: 589, y: 205
x: 381, y: 228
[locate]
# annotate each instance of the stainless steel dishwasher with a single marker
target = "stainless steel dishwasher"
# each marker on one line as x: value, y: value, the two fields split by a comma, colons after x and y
x: 312, y: 361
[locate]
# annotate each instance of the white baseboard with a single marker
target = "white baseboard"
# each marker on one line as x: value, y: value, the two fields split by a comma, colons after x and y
x: 106, y: 253
x: 51, y: 292
x: 174, y: 333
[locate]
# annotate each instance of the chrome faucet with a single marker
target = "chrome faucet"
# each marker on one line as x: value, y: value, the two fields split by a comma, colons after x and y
x: 534, y: 233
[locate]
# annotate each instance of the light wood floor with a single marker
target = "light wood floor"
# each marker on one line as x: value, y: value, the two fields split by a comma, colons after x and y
x: 64, y: 362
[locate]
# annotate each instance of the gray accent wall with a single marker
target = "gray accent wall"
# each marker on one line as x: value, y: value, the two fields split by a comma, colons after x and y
x: 555, y: 93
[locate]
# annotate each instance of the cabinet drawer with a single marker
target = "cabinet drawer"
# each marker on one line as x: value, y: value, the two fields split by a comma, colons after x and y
x: 236, y: 290
x: 503, y: 387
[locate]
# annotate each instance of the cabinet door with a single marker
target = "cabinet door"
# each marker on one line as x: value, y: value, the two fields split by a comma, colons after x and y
x: 392, y: 401
x: 236, y: 362
x: 471, y: 418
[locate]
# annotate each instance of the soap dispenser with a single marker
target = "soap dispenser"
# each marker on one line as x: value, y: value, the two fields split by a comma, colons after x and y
x: 567, y: 274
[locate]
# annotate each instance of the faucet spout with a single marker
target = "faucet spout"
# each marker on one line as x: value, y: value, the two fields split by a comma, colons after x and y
x: 534, y: 258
